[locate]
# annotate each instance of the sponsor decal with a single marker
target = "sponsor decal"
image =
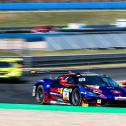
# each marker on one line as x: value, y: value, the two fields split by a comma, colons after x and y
x: 47, y: 86
x: 66, y: 94
x: 82, y: 79
x: 56, y: 90
x: 99, y: 101
x: 33, y: 92
x: 115, y: 92
x: 70, y: 90
x: 53, y: 93
x: 120, y: 98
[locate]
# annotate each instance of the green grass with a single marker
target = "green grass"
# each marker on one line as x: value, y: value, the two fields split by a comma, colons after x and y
x: 23, y: 19
x: 62, y: 52
x: 78, y: 52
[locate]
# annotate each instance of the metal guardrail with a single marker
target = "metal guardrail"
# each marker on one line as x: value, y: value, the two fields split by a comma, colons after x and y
x: 59, y: 30
x: 74, y: 60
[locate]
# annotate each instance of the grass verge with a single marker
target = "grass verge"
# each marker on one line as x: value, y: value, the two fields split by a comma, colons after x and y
x: 29, y: 19
x: 61, y: 52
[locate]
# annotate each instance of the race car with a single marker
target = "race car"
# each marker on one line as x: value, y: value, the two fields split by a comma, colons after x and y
x: 78, y: 89
x: 42, y: 29
x: 11, y: 68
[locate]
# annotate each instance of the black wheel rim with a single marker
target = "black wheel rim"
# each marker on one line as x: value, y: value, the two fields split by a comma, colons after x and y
x: 76, y: 98
x: 40, y: 95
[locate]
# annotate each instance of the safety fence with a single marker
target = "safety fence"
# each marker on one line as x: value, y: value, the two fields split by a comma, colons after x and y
x: 63, y: 41
x: 73, y: 60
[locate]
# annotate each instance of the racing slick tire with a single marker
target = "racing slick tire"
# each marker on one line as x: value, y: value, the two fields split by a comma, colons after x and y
x: 76, y: 97
x: 40, y: 94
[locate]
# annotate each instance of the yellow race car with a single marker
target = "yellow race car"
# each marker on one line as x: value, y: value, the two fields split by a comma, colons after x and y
x: 11, y: 68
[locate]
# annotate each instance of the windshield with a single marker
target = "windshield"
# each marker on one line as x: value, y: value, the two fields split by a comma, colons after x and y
x: 97, y: 81
x: 90, y: 80
x: 109, y: 81
x: 4, y: 65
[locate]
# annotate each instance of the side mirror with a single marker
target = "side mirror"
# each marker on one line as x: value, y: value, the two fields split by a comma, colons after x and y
x: 63, y: 81
x: 124, y: 83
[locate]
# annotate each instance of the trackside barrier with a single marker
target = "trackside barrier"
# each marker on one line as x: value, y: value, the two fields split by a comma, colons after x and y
x: 62, y: 6
x: 74, y: 60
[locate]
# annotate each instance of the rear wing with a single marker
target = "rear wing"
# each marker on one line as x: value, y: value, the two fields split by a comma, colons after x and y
x: 56, y: 73
x: 50, y: 73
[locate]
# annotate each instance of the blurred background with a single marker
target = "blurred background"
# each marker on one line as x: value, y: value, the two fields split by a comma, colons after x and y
x: 42, y: 32
x: 61, y: 27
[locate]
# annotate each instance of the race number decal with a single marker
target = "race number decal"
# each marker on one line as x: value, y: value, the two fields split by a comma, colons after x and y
x: 82, y: 79
x: 66, y: 94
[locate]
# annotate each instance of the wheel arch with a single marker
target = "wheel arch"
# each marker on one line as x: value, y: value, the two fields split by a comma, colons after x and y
x: 36, y: 86
x: 77, y: 88
x: 46, y: 85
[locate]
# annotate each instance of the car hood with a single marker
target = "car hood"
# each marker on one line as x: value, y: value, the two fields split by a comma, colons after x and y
x: 113, y: 91
x: 109, y: 91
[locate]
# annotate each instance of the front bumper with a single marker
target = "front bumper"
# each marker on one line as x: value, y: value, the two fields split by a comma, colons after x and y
x: 117, y: 101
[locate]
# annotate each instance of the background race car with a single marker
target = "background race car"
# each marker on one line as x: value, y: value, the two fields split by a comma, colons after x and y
x: 11, y: 68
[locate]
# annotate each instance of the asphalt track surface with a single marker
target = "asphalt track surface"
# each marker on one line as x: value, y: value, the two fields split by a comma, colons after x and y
x: 21, y: 92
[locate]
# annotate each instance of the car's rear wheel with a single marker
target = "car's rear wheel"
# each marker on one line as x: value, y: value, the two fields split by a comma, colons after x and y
x: 40, y: 95
x: 76, y: 97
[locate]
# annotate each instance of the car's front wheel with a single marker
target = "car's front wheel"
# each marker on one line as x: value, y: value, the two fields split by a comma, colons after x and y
x: 40, y: 95
x: 76, y: 97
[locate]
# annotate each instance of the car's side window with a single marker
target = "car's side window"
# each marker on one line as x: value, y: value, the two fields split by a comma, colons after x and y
x: 70, y: 79
x: 5, y: 65
x: 92, y: 80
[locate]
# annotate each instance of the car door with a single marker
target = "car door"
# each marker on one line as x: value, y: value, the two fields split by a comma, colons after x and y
x: 56, y: 91
x: 70, y: 82
x: 61, y: 91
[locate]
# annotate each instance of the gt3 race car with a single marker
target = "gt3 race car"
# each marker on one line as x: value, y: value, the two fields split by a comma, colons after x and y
x: 45, y: 29
x: 78, y: 89
x: 11, y: 68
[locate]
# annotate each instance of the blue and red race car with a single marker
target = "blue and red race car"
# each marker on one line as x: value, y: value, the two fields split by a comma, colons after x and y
x: 79, y: 89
